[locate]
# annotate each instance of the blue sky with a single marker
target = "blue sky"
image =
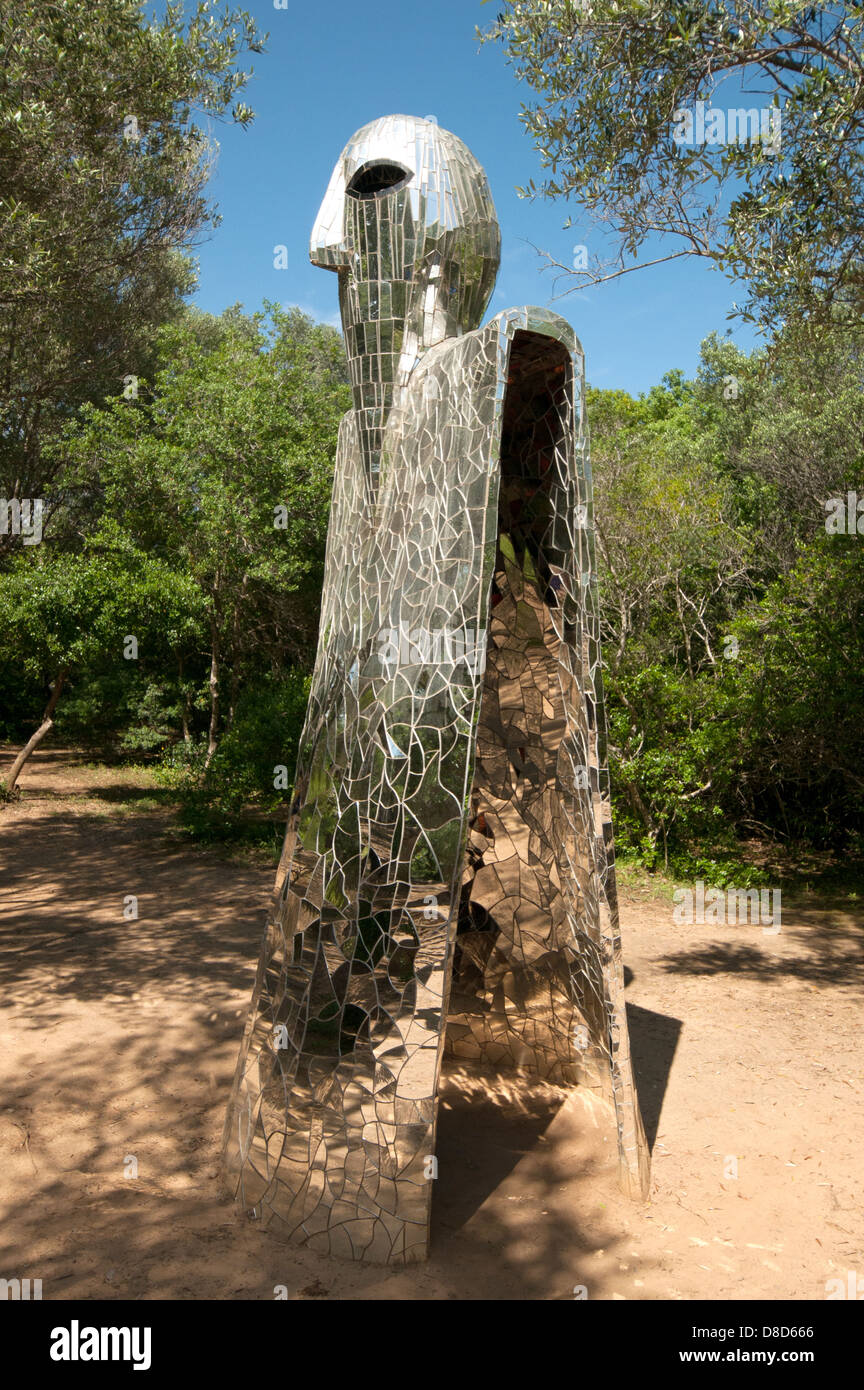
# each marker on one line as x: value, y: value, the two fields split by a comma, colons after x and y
x: 330, y: 68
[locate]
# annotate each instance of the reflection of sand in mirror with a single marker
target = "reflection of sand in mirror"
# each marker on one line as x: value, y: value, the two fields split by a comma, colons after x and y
x: 511, y: 995
x: 519, y: 991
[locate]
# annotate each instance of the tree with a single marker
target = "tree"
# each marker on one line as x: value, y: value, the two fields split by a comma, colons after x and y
x: 102, y: 175
x: 222, y: 469
x: 60, y: 612
x: 787, y: 425
x: 795, y: 696
x: 619, y: 125
x: 674, y: 567
x: 731, y: 614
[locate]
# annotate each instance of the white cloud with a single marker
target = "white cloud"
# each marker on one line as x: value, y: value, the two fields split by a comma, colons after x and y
x: 333, y: 320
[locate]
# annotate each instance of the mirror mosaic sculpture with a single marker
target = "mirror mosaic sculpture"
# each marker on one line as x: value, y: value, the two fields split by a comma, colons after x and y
x: 447, y: 882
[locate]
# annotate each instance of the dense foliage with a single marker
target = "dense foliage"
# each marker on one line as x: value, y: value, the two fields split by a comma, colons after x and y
x: 176, y: 589
x: 104, y: 162
x: 169, y: 609
x: 733, y: 619
x: 194, y: 518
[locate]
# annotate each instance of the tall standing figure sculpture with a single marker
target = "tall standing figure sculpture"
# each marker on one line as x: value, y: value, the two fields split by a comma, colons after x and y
x: 447, y: 878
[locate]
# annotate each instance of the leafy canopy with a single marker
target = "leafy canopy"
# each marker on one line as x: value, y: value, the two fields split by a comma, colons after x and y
x: 783, y: 213
x: 103, y: 166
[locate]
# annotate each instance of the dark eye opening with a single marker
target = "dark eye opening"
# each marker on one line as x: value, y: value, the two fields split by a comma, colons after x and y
x: 373, y: 180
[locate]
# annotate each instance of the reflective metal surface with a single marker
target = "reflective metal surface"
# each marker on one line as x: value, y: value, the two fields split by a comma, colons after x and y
x: 448, y: 876
x: 409, y: 224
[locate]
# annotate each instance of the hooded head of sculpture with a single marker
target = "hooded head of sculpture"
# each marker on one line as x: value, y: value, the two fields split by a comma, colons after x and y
x: 409, y: 225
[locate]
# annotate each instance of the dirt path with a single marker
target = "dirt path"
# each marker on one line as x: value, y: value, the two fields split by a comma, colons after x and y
x: 119, y: 1039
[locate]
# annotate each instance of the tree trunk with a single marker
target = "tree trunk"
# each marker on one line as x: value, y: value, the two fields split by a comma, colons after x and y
x: 631, y: 791
x: 232, y: 699
x: 214, y: 694
x: 187, y: 736
x: 33, y: 742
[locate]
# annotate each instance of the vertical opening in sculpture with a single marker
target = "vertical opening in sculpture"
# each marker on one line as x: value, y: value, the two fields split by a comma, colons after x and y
x: 512, y: 998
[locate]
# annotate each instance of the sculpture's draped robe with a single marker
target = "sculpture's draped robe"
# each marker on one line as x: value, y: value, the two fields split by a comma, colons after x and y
x: 449, y: 850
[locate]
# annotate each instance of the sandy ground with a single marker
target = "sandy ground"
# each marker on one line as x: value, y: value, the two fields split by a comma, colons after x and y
x: 119, y: 1040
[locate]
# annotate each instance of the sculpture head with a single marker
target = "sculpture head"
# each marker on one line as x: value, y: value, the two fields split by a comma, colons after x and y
x: 409, y: 225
